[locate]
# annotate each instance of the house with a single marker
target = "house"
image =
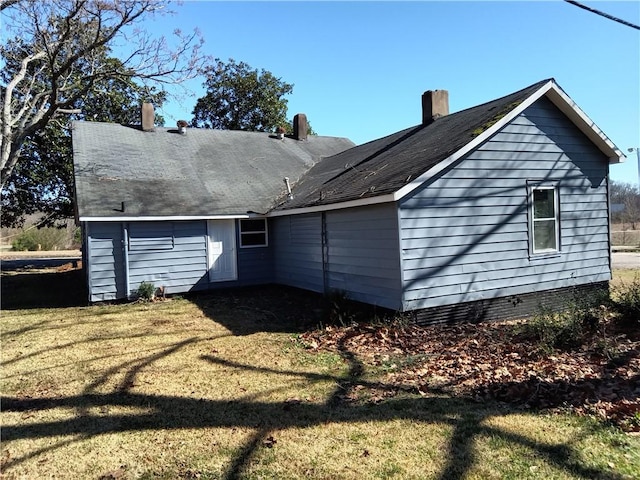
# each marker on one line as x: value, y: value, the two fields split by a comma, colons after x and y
x: 483, y: 213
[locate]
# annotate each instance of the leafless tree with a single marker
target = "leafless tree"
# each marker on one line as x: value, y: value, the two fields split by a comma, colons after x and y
x: 54, y: 58
x: 626, y: 197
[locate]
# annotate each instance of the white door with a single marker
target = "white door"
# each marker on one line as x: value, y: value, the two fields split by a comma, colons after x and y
x: 222, y: 250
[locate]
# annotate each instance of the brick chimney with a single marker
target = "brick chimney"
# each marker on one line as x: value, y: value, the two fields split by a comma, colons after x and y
x: 300, y: 126
x: 147, y: 117
x: 435, y: 104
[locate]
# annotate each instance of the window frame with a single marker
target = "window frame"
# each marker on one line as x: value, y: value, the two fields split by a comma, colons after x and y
x: 556, y: 249
x: 264, y: 232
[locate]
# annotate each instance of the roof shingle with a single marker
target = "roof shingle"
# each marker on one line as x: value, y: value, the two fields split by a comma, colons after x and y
x: 385, y: 165
x: 202, y: 173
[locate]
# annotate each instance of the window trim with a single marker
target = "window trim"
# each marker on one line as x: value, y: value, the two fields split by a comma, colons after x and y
x: 533, y: 187
x: 265, y: 231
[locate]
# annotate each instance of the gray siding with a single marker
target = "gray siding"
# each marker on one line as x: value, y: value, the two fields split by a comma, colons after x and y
x: 104, y: 260
x: 255, y: 264
x: 168, y: 254
x: 465, y: 235
x: 361, y: 255
x: 172, y: 255
x: 297, y: 244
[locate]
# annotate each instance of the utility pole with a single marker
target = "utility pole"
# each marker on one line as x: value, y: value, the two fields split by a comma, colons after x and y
x: 636, y: 149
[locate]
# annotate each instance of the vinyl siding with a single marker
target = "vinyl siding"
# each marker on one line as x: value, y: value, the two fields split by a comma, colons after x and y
x: 172, y: 255
x: 465, y: 235
x: 104, y: 253
x: 363, y: 255
x: 297, y: 244
x: 255, y: 264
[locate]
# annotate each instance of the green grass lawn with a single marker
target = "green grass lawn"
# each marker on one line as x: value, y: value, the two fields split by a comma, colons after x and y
x: 218, y: 386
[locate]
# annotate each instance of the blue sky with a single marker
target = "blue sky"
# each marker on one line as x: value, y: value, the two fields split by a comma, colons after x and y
x: 359, y: 68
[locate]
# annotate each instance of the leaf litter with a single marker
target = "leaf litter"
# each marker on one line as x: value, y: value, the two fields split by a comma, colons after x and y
x: 492, y: 362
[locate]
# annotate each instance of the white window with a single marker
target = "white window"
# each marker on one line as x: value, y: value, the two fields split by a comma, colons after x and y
x: 545, y: 225
x: 253, y: 233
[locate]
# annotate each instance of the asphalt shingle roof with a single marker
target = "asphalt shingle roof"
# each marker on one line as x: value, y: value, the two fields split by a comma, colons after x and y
x: 385, y: 165
x: 202, y: 173
x: 223, y: 172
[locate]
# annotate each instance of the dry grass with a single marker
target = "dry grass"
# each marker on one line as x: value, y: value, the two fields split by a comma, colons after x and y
x: 624, y: 276
x: 219, y: 387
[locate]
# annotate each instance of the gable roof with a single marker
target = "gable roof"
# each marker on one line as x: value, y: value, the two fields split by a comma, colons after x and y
x: 222, y: 173
x: 202, y: 174
x: 390, y: 168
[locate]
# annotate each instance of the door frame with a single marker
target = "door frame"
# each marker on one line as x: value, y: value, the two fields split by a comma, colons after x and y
x: 227, y: 229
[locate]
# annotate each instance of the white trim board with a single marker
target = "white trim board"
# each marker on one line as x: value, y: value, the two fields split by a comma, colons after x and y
x: 333, y: 206
x: 166, y: 218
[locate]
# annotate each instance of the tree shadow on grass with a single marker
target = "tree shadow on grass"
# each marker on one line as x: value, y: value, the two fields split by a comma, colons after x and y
x: 278, y: 308
x: 43, y: 289
x: 269, y: 418
x: 270, y: 308
x: 160, y: 412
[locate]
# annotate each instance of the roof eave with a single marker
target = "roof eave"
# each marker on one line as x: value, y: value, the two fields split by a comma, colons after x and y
x: 158, y: 218
x: 560, y: 100
x: 587, y: 126
x: 333, y: 206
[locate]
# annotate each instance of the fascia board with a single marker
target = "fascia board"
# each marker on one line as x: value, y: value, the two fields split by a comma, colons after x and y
x: 560, y: 100
x: 477, y: 141
x: 167, y: 218
x: 333, y: 206
x: 587, y: 126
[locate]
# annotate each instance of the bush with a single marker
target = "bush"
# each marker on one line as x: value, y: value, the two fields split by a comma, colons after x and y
x: 570, y: 327
x: 146, y: 291
x: 337, y: 309
x: 627, y: 304
x: 35, y: 239
x: 551, y: 330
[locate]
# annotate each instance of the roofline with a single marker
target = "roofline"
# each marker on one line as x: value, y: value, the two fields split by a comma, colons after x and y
x: 166, y: 218
x: 587, y: 126
x: 550, y: 89
x: 560, y: 99
x: 333, y: 206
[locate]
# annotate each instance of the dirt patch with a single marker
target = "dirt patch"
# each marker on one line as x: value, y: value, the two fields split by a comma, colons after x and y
x: 70, y: 266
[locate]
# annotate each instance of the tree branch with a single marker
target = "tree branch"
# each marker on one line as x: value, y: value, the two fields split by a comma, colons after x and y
x: 71, y: 37
x: 7, y: 3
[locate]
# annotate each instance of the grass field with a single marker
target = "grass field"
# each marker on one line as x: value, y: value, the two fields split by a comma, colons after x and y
x: 218, y: 386
x: 624, y: 277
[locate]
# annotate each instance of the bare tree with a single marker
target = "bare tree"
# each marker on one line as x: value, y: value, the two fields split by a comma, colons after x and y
x: 625, y: 200
x: 57, y: 54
